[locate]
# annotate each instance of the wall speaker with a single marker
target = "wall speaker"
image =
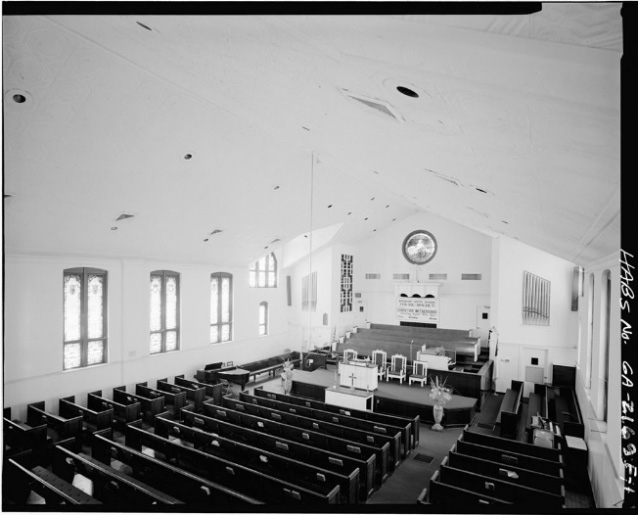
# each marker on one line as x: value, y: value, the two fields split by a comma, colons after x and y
x: 289, y: 290
x: 578, y: 275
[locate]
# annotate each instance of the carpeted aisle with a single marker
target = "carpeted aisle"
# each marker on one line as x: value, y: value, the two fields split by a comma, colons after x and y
x: 409, y: 479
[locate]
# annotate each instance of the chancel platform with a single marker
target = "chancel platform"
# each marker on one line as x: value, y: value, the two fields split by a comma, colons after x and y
x: 390, y: 397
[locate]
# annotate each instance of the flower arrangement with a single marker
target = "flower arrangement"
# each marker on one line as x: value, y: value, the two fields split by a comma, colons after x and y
x: 286, y: 373
x: 439, y: 392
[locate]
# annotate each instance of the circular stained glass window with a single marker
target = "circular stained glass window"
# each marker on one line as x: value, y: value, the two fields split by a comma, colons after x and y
x: 419, y: 247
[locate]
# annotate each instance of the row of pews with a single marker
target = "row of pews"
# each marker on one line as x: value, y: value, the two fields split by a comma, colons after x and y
x: 182, y: 442
x: 484, y: 470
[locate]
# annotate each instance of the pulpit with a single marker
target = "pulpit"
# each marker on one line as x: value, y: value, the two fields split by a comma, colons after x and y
x: 359, y: 374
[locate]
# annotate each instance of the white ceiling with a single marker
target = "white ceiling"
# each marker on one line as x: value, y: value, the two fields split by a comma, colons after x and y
x: 526, y: 108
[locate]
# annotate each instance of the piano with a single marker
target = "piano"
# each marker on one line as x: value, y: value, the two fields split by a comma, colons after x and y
x: 234, y: 375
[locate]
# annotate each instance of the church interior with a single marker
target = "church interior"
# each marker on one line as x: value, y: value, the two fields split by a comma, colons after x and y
x: 302, y: 259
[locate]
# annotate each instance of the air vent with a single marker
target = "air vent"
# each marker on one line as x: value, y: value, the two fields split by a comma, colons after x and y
x: 437, y: 277
x: 373, y: 276
x: 357, y: 295
x: 401, y: 277
x: 470, y: 277
x: 124, y: 216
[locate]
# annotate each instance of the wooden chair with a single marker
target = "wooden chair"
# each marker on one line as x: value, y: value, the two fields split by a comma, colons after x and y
x: 380, y: 358
x: 419, y: 373
x: 349, y: 355
x: 397, y: 368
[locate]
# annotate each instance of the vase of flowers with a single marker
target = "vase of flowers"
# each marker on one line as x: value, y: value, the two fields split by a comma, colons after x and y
x: 286, y: 376
x: 440, y: 394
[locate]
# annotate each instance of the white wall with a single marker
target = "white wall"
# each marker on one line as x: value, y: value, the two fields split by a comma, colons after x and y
x: 603, y: 438
x: 33, y: 315
x: 510, y: 259
x: 460, y: 250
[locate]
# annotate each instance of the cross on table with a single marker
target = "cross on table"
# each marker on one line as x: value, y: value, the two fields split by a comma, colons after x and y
x: 352, y: 377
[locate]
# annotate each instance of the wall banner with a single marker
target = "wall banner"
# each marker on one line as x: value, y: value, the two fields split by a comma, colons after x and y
x: 418, y: 309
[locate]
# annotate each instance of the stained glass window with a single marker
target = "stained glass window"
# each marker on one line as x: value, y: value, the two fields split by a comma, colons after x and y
x: 221, y: 310
x: 84, y: 297
x: 263, y: 318
x: 164, y: 323
x: 263, y: 273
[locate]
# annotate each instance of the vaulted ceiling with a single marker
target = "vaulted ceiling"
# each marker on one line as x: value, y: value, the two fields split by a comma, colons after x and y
x: 265, y: 127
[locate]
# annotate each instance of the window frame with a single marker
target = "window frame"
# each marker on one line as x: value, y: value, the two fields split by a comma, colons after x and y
x: 219, y: 276
x: 84, y: 329
x: 256, y: 271
x: 163, y: 331
x: 265, y: 324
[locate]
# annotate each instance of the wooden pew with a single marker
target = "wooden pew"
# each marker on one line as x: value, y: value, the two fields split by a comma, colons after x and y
x: 408, y: 425
x: 334, y: 444
x: 457, y: 498
x: 566, y: 412
x: 398, y: 448
x: 92, y: 420
x: 19, y: 481
x: 110, y: 486
x: 122, y: 413
x: 58, y: 428
x: 516, y: 494
x: 303, y: 474
x: 506, y: 444
x: 508, y: 412
x: 195, y: 395
x: 151, y: 407
x: 174, y: 401
x: 516, y: 475
x: 20, y: 438
x: 380, y: 443
x: 251, y: 482
x: 339, y: 463
x: 213, y: 391
x: 188, y: 487
x: 510, y: 458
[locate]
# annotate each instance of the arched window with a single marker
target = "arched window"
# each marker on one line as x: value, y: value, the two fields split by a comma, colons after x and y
x: 605, y: 313
x: 263, y: 318
x: 221, y: 307
x: 164, y: 321
x: 84, y: 292
x: 263, y: 273
x: 590, y: 332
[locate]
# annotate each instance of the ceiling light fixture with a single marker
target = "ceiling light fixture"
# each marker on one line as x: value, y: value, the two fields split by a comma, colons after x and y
x: 188, y: 156
x: 19, y: 98
x: 216, y: 231
x: 124, y: 216
x: 114, y: 228
x: 329, y: 206
x: 407, y: 92
x: 275, y: 187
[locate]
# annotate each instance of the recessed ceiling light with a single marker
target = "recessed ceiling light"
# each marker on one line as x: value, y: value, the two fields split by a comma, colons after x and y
x: 374, y: 230
x: 387, y: 206
x: 114, y: 228
x: 505, y: 222
x: 188, y: 156
x: 266, y: 247
x: 19, y: 98
x: 372, y: 198
x: 394, y: 219
x: 365, y: 218
x: 216, y: 231
x: 205, y: 239
x: 329, y: 206
x: 144, y: 26
x: 349, y: 213
x: 275, y: 187
x: 407, y: 92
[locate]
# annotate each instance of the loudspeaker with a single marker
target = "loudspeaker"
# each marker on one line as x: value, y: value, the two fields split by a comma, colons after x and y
x: 289, y: 290
x: 578, y: 275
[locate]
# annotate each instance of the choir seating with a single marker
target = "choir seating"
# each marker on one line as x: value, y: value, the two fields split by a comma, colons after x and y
x: 419, y: 373
x: 397, y: 368
x: 380, y: 358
